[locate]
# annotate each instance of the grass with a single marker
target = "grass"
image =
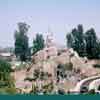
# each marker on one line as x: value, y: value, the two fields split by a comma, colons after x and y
x: 6, y: 90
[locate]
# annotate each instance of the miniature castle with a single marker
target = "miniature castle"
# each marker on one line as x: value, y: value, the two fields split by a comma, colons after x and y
x: 50, y: 49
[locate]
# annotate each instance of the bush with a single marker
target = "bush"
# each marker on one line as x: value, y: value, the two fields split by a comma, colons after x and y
x: 5, y: 66
x: 68, y: 66
x: 3, y: 84
x: 28, y: 79
x: 5, y: 69
x: 62, y: 68
x: 99, y: 87
x: 7, y: 90
x: 36, y: 74
x: 7, y: 85
x: 92, y: 91
x: 11, y: 90
x: 96, y: 65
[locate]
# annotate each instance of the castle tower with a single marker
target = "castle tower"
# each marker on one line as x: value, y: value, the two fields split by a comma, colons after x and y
x: 49, y: 39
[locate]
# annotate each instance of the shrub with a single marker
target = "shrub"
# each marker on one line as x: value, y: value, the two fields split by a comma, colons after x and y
x: 96, y: 65
x: 36, y: 73
x: 11, y: 90
x: 6, y: 81
x: 68, y: 66
x: 28, y: 79
x: 92, y: 91
x: 5, y: 66
x: 99, y: 87
x: 7, y: 90
x: 3, y: 84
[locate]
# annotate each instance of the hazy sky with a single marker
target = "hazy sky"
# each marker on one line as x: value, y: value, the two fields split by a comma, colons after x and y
x: 60, y: 15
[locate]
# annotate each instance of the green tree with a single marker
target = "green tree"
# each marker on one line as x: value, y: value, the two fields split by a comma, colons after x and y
x: 81, y: 42
x: 21, y: 41
x: 38, y: 43
x: 75, y: 40
x: 69, y: 40
x: 92, y: 44
x: 86, y: 44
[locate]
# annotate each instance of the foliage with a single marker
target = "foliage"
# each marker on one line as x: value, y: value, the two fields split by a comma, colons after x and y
x: 36, y: 74
x: 96, y: 65
x: 61, y: 92
x: 46, y: 88
x: 5, y: 66
x: 5, y: 69
x: 92, y: 45
x: 21, y: 41
x: 75, y: 40
x: 40, y: 75
x: 68, y: 66
x: 60, y: 71
x: 34, y: 89
x: 69, y: 40
x: 38, y: 43
x: 85, y: 43
x: 6, y: 81
x: 7, y: 90
x: 28, y: 79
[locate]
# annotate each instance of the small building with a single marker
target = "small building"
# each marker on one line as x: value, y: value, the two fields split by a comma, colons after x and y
x: 6, y: 56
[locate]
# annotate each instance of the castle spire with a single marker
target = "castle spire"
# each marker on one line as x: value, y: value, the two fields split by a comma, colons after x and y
x: 49, y: 38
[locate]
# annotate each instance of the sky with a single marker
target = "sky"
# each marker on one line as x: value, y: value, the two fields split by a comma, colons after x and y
x: 59, y: 15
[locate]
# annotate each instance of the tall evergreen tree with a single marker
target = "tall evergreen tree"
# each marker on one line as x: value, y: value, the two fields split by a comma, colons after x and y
x: 92, y: 45
x: 69, y: 40
x: 21, y: 41
x: 86, y: 44
x: 76, y: 40
x: 81, y: 41
x: 38, y: 43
